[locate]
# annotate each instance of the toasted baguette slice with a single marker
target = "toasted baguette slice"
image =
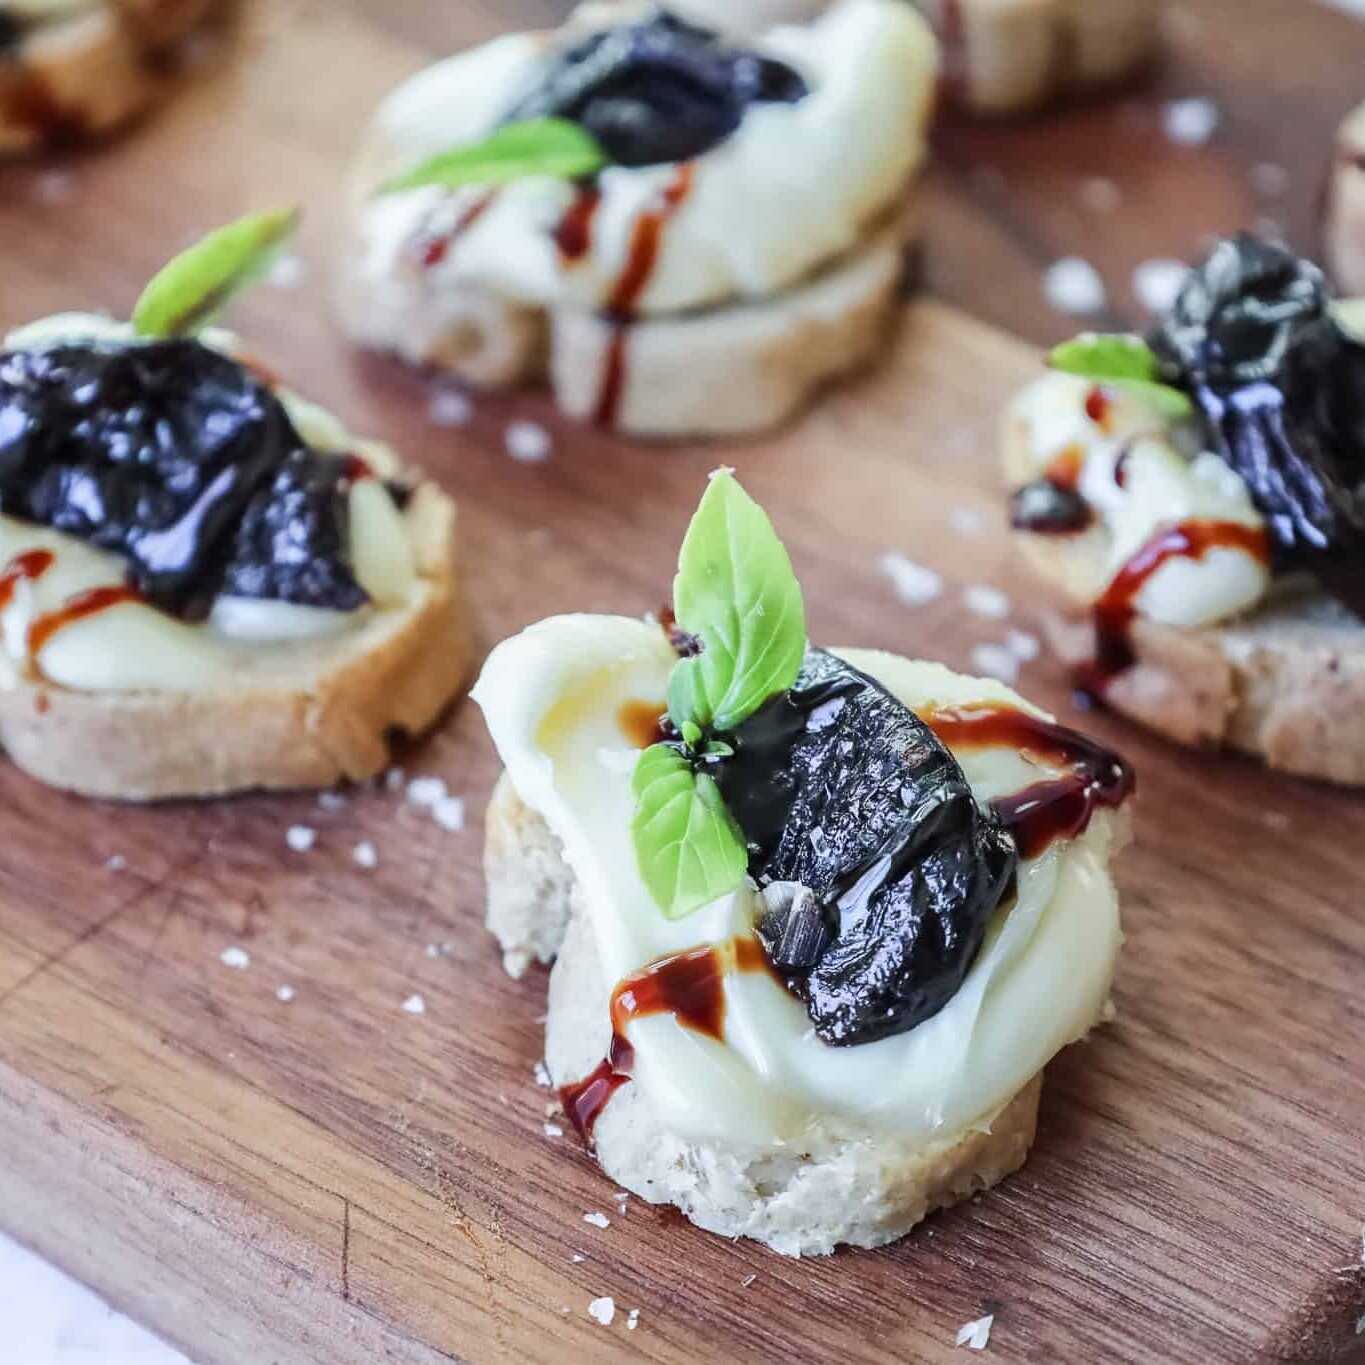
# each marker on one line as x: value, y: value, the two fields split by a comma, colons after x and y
x: 1286, y: 683
x: 841, y: 1184
x: 1345, y: 226
x: 329, y: 715
x: 72, y: 78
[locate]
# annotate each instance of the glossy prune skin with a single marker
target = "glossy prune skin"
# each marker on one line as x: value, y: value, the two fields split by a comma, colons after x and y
x: 1282, y: 392
x: 841, y: 788
x: 10, y: 34
x: 181, y: 461
x: 659, y: 91
x: 1047, y: 508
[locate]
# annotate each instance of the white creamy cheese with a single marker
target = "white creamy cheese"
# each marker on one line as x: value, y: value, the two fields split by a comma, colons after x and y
x: 34, y: 10
x: 551, y: 697
x: 133, y: 646
x: 794, y: 187
x: 1162, y: 487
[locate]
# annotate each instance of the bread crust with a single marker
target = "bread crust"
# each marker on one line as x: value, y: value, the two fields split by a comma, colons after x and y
x: 841, y: 1184
x: 330, y: 717
x: 84, y: 75
x: 1285, y: 683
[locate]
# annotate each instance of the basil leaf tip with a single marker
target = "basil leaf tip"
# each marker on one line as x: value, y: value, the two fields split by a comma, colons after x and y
x: 185, y: 294
x: 1123, y: 362
x: 688, y: 847
x: 541, y: 146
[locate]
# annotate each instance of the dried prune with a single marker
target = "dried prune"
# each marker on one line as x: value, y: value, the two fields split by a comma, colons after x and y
x: 180, y: 460
x: 658, y: 91
x: 842, y: 789
x: 1282, y: 392
x: 1046, y: 507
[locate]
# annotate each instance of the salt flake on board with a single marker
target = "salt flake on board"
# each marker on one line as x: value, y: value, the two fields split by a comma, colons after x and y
x: 975, y: 1335
x: 1072, y: 285
x: 603, y: 1310
x: 912, y: 583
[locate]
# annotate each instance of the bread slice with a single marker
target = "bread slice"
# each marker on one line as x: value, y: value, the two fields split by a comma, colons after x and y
x: 1285, y: 683
x: 72, y: 78
x: 1345, y: 226
x: 719, y: 371
x: 329, y: 714
x: 841, y: 1184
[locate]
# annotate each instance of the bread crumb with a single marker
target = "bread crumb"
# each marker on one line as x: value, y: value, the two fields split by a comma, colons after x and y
x: 528, y: 442
x: 365, y: 854
x: 996, y: 661
x: 1156, y: 283
x: 633, y: 1320
x: 912, y: 583
x: 300, y: 838
x: 598, y: 1220
x: 414, y: 1004
x: 448, y: 812
x: 237, y: 958
x: 975, y: 1335
x: 1072, y: 285
x: 284, y: 994
x: 450, y: 408
x: 553, y: 1130
x: 1191, y: 122
x: 426, y: 791
x: 603, y: 1310
x: 983, y: 600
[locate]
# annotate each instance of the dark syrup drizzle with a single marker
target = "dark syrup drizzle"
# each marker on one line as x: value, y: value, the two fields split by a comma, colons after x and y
x: 1052, y: 505
x: 690, y: 986
x: 28, y: 567
x: 573, y: 236
x: 644, y: 723
x: 641, y: 260
x: 1057, y: 807
x: 1116, y: 610
x: 78, y: 608
x: 431, y: 250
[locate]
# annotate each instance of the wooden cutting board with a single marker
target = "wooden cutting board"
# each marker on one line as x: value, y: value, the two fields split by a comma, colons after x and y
x: 334, y: 1179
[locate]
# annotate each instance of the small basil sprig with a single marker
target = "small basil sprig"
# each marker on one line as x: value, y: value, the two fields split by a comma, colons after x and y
x: 1127, y: 363
x: 540, y: 146
x: 737, y: 594
x: 185, y: 294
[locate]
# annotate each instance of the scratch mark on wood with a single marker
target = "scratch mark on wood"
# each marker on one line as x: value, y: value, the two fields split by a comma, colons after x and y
x: 345, y: 1250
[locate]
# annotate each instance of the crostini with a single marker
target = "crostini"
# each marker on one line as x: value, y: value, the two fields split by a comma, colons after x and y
x: 207, y: 584
x: 1195, y: 502
x: 686, y: 236
x: 820, y: 917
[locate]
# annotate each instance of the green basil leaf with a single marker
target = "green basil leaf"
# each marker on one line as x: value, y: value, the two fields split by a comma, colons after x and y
x: 1107, y: 357
x: 736, y: 591
x: 540, y: 146
x: 1123, y: 362
x: 184, y: 295
x: 691, y: 733
x: 688, y: 847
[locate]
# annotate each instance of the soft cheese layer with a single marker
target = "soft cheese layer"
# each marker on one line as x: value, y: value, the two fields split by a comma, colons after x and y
x: 551, y: 697
x: 1160, y: 487
x: 132, y: 646
x: 794, y: 187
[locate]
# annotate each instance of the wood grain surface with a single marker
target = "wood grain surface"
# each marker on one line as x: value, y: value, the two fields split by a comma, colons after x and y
x: 333, y: 1179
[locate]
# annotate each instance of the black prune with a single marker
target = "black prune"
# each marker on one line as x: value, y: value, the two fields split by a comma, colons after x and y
x: 1046, y: 507
x: 658, y: 91
x: 1282, y: 392
x: 842, y: 789
x: 180, y: 460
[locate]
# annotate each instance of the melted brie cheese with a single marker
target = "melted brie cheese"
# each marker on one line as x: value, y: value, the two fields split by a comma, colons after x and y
x: 1162, y: 487
x: 551, y: 697
x: 133, y: 646
x: 795, y: 186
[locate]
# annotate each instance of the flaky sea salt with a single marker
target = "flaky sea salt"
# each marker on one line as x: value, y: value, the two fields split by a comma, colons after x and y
x: 448, y: 812
x: 414, y: 1004
x: 1072, y: 285
x: 365, y: 855
x: 984, y: 600
x: 287, y: 273
x: 603, y: 1310
x: 426, y: 791
x: 996, y: 661
x: 116, y: 863
x: 55, y: 187
x: 1022, y: 645
x: 633, y: 1320
x: 1157, y: 282
x: 578, y: 1258
x: 450, y: 408
x: 1192, y: 121
x: 237, y: 958
x: 284, y: 994
x: 528, y: 442
x: 394, y: 779
x: 553, y: 1130
x: 1269, y: 180
x: 300, y: 838
x: 598, y: 1220
x: 975, y: 1335
x: 542, y: 1075
x: 912, y: 583
x: 332, y: 801
x: 1100, y: 195
x: 967, y: 521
